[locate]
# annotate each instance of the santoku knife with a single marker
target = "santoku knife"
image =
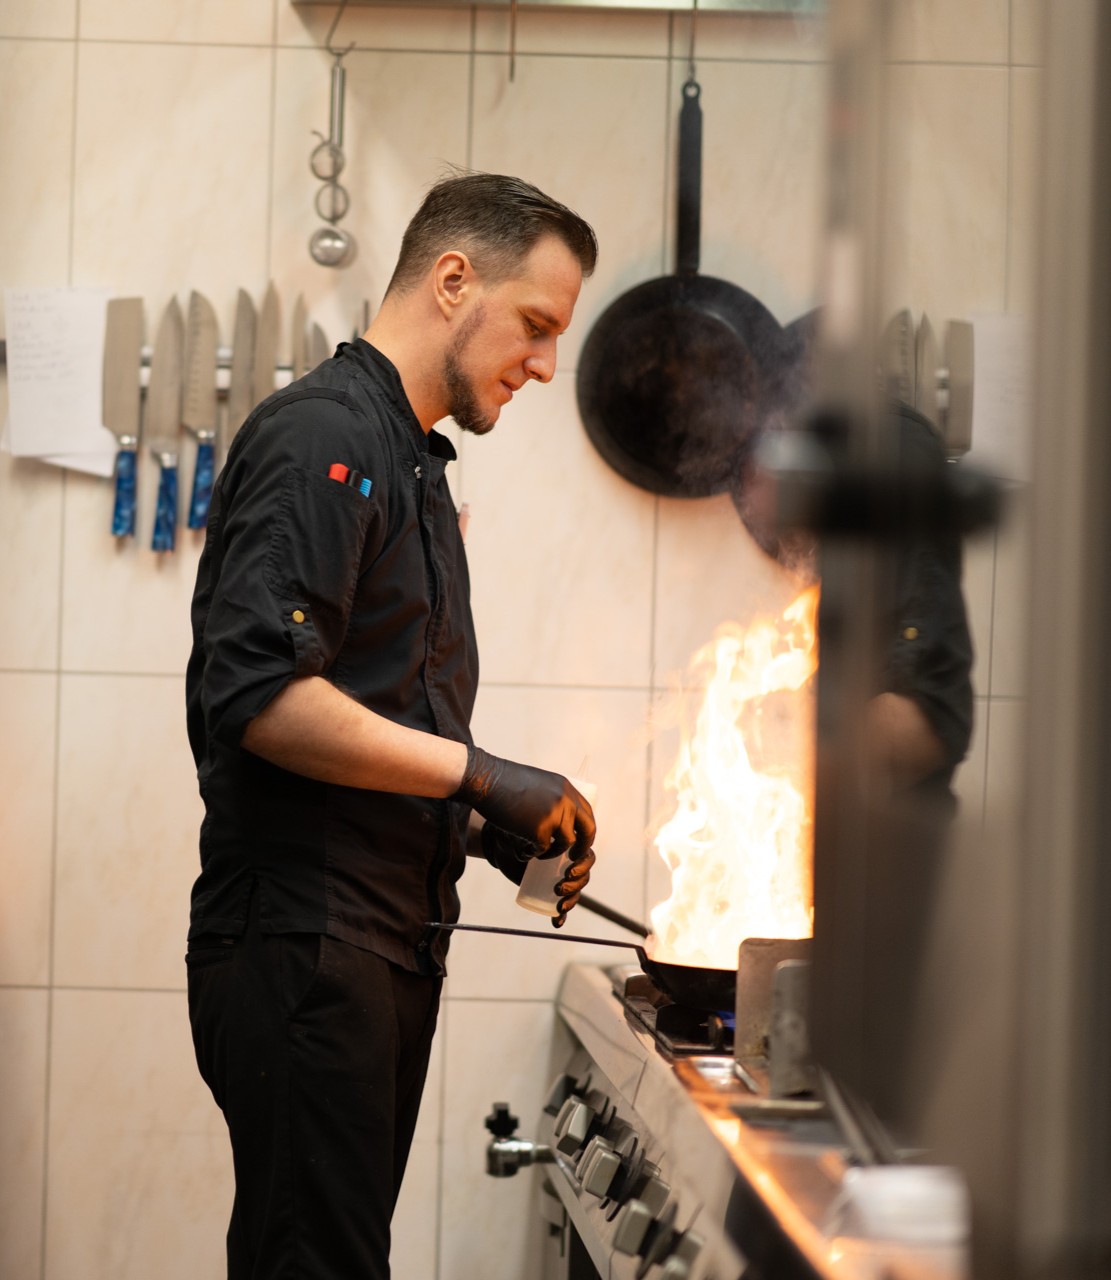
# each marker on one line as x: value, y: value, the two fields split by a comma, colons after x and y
x: 163, y: 420
x: 241, y: 386
x: 199, y: 411
x: 267, y: 337
x: 123, y: 343
x: 297, y: 350
x: 319, y: 350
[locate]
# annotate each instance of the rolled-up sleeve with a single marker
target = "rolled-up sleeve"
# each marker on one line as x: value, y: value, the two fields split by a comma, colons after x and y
x: 283, y: 553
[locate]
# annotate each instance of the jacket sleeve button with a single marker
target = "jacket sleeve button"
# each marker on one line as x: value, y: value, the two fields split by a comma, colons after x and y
x: 298, y: 615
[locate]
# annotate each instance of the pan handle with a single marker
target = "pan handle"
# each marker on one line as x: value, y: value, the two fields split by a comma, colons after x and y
x: 614, y: 917
x: 689, y: 219
x: 535, y: 933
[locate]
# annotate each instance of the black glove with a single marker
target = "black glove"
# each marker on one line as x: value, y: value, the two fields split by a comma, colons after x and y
x: 578, y: 873
x: 507, y: 852
x: 510, y: 854
x: 541, y: 807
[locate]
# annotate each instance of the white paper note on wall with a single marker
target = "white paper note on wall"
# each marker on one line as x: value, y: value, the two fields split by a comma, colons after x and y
x: 1002, y: 396
x: 55, y: 348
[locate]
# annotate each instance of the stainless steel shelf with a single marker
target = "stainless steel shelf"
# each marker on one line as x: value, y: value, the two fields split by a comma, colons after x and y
x: 666, y: 6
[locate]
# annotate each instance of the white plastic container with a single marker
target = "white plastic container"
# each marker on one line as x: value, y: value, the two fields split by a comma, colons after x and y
x: 538, y: 884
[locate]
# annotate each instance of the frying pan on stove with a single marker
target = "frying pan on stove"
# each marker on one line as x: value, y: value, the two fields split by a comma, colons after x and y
x: 675, y: 374
x: 711, y: 990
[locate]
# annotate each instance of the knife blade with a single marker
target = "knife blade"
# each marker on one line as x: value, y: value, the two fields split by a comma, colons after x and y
x: 199, y: 412
x: 162, y: 423
x: 927, y: 358
x: 123, y: 343
x: 299, y: 345
x: 241, y: 384
x: 319, y: 350
x: 267, y: 336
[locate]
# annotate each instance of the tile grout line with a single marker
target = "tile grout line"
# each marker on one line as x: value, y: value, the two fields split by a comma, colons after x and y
x: 273, y: 142
x: 1008, y: 159
x: 542, y: 686
x: 653, y: 601
x: 55, y: 807
x: 442, y: 1100
x: 991, y: 656
x: 709, y: 59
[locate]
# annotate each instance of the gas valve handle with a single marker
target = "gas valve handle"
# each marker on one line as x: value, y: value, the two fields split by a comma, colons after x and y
x: 505, y: 1154
x: 500, y: 1121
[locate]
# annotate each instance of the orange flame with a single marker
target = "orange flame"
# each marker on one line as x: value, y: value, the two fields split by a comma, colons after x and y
x: 739, y: 844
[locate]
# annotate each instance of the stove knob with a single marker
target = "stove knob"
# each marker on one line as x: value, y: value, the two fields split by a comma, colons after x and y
x: 678, y: 1264
x: 631, y: 1226
x: 572, y: 1125
x: 653, y: 1190
x: 597, y: 1167
x: 561, y: 1090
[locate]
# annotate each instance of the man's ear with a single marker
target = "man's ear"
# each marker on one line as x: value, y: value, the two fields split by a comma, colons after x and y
x: 453, y: 278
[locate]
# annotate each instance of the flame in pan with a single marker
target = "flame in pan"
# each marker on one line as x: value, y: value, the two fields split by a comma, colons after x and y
x: 739, y: 844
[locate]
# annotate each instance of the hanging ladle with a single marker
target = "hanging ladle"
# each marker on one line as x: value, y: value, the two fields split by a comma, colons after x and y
x: 331, y: 246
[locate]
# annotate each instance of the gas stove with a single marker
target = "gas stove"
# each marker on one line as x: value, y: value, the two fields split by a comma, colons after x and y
x: 676, y: 1030
x: 662, y: 1160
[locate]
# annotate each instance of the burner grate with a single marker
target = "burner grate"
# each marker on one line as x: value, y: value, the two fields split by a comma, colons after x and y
x: 676, y: 1030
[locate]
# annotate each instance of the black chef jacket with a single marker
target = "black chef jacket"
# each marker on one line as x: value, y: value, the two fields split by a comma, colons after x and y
x: 302, y: 575
x: 930, y: 659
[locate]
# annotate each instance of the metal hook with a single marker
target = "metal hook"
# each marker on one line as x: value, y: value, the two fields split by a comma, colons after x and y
x: 690, y: 51
x: 337, y: 53
x: 512, y: 40
x: 329, y: 246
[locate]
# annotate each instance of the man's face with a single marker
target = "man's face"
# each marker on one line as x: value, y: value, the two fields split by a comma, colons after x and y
x: 509, y: 335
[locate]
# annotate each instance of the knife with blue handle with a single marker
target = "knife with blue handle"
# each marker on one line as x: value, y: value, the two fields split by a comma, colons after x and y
x: 198, y: 414
x: 123, y: 345
x: 162, y: 426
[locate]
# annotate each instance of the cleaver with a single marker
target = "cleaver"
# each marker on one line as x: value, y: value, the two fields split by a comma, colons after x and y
x: 123, y: 343
x: 199, y: 410
x: 162, y: 426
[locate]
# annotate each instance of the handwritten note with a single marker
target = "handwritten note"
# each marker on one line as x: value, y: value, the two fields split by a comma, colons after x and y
x: 55, y: 347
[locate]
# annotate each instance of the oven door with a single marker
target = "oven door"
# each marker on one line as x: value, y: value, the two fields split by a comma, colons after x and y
x: 565, y: 1257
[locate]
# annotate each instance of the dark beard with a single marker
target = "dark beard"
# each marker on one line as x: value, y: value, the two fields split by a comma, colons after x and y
x: 462, y: 402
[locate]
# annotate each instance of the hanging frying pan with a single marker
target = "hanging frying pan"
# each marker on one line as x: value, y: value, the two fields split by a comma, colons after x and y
x: 673, y: 378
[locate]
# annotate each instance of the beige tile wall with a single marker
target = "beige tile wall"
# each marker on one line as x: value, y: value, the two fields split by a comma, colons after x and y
x: 161, y: 148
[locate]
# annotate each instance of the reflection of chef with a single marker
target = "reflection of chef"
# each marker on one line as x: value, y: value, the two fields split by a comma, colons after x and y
x: 920, y: 719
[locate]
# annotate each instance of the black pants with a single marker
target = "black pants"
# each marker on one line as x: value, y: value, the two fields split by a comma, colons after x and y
x: 316, y: 1052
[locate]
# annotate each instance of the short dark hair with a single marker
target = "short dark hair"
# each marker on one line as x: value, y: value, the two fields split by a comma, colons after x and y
x: 495, y: 219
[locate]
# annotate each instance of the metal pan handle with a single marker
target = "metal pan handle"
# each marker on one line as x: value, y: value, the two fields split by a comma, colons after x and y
x: 535, y: 933
x: 614, y: 917
x: 689, y: 218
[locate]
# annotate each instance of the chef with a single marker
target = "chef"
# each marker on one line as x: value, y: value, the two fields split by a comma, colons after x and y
x: 329, y: 693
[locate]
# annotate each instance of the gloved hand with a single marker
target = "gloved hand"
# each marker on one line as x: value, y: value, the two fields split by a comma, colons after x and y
x: 578, y: 873
x: 541, y: 807
x: 510, y: 854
